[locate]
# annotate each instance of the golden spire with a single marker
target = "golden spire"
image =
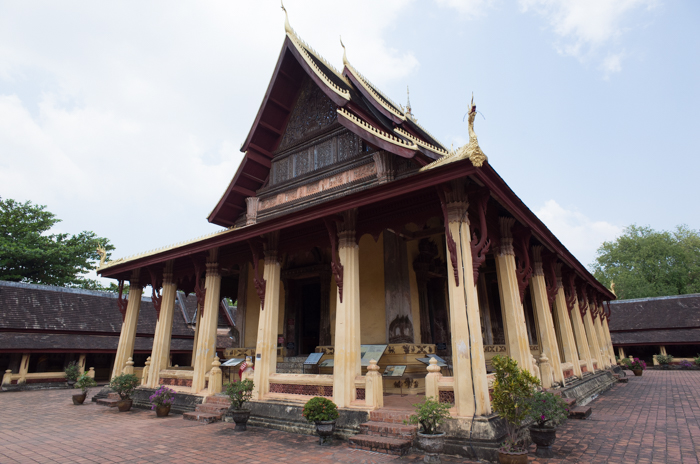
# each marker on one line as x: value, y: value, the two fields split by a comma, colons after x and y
x: 408, y: 112
x: 345, y: 57
x: 288, y: 29
x: 472, y: 149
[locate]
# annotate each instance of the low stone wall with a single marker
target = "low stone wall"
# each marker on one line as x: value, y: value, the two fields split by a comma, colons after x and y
x: 287, y: 417
x: 478, y: 439
x: 183, y: 402
x: 583, y: 390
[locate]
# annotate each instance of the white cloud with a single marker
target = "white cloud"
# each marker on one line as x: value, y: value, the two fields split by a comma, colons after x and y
x: 126, y: 118
x: 580, y: 235
x: 585, y: 27
x: 467, y: 8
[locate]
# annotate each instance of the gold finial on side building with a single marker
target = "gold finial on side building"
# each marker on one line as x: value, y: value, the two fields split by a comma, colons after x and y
x: 612, y: 287
x: 345, y: 56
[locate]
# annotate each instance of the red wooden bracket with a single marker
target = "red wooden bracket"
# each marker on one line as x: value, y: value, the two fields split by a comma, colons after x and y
x: 336, y: 265
x: 260, y: 282
x: 122, y: 303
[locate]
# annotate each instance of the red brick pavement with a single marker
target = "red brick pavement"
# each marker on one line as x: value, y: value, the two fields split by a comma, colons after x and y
x: 652, y: 419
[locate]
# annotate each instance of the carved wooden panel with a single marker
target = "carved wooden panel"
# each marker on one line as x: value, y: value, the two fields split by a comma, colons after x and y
x: 325, y: 153
x: 313, y: 111
x: 349, y: 145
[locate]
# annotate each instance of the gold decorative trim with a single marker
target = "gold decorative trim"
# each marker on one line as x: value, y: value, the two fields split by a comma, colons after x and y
x: 419, y: 142
x: 155, y: 251
x: 379, y: 133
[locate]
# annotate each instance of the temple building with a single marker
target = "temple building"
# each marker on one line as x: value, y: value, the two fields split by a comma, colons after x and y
x: 352, y: 232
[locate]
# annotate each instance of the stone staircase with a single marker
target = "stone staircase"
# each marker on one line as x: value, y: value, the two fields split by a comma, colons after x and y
x: 291, y: 365
x: 386, y: 433
x: 110, y: 400
x: 575, y: 412
x: 212, y: 410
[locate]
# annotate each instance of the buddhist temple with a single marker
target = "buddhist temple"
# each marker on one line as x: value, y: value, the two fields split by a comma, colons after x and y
x: 350, y: 231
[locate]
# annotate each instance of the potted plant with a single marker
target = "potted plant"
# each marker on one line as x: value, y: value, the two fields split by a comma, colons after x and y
x: 161, y: 400
x: 547, y: 411
x: 84, y: 382
x: 685, y: 364
x: 124, y: 385
x: 430, y: 414
x: 697, y: 360
x: 72, y: 373
x: 240, y: 392
x: 512, y: 389
x: 664, y: 360
x: 323, y: 412
x: 637, y: 366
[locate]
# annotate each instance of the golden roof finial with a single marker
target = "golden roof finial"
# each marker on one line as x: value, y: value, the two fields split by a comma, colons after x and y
x: 472, y: 150
x: 345, y: 56
x: 288, y: 29
x: 612, y: 287
x: 408, y: 112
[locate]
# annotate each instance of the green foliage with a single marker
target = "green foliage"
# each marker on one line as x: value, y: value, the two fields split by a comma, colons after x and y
x: 319, y: 409
x: 29, y: 254
x: 430, y: 414
x: 72, y: 371
x: 697, y: 360
x: 124, y: 385
x: 626, y: 362
x: 664, y: 359
x: 512, y: 390
x: 547, y: 409
x: 644, y: 262
x: 85, y: 382
x: 239, y: 392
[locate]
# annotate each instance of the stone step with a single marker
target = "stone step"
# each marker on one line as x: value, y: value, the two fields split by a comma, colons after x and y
x: 289, y: 371
x: 216, y: 399
x: 570, y: 402
x: 211, y: 408
x: 395, y: 446
x: 110, y: 402
x: 295, y: 359
x: 290, y: 365
x: 390, y: 416
x: 580, y: 412
x: 623, y: 380
x: 113, y: 396
x: 384, y: 429
x: 203, y: 417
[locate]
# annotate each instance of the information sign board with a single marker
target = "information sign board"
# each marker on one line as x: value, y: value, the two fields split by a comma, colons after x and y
x: 394, y: 371
x: 369, y: 352
x: 313, y: 359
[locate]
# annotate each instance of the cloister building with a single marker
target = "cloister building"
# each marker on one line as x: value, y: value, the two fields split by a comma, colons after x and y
x: 348, y: 225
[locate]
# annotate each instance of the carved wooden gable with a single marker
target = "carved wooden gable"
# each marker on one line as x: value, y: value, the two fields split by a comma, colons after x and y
x: 313, y: 139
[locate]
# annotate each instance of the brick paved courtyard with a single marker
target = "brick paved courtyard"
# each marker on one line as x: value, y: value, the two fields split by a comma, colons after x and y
x: 652, y: 419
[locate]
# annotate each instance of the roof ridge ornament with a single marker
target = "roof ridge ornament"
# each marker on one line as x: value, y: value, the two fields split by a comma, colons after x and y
x: 287, y: 27
x: 407, y: 111
x: 345, y: 56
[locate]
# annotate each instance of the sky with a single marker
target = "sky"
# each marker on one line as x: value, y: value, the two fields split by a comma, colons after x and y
x: 126, y: 118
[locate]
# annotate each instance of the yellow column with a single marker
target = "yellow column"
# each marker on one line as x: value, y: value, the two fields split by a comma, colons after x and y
x: 266, y: 346
x: 581, y: 338
x: 127, y: 337
x: 606, y: 331
x: 567, y: 335
x: 347, y: 315
x: 197, y: 324
x: 621, y: 353
x: 23, y: 368
x: 602, y: 342
x: 593, y: 345
x: 540, y: 302
x: 206, y: 341
x: 160, y: 354
x: 81, y: 363
x: 516, y: 333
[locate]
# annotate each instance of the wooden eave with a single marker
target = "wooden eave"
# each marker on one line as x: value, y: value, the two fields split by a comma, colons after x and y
x: 361, y: 84
x: 485, y: 175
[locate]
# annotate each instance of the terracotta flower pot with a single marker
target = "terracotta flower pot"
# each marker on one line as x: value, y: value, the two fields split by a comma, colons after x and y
x: 544, y: 438
x: 124, y: 405
x: 325, y: 432
x: 163, y: 411
x: 638, y: 372
x: 432, y: 445
x: 79, y: 398
x: 240, y: 417
x: 517, y: 457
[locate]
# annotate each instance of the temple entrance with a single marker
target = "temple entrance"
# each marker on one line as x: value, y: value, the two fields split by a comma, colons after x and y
x: 309, y: 315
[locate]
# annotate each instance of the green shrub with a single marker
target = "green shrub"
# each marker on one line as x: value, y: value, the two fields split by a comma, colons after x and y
x: 85, y: 382
x: 319, y: 409
x: 664, y: 360
x: 72, y: 371
x: 547, y: 409
x: 430, y: 414
x: 239, y: 393
x: 697, y: 360
x: 124, y: 385
x: 512, y: 390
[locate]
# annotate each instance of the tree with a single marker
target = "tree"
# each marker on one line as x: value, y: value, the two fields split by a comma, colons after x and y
x: 28, y: 253
x: 644, y: 262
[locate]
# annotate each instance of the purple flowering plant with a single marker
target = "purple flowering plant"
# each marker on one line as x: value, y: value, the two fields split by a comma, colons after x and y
x: 637, y: 364
x: 547, y: 409
x: 164, y: 396
x: 685, y: 364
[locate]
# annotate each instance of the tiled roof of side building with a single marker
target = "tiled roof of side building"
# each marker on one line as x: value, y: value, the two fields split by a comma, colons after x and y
x: 668, y: 312
x: 47, y: 308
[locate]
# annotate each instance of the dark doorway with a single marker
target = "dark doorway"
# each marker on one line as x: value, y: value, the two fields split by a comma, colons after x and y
x: 309, y: 315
